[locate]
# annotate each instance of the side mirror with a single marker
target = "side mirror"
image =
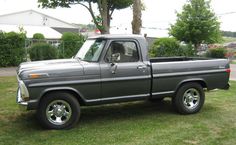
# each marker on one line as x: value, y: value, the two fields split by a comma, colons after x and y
x: 115, y: 57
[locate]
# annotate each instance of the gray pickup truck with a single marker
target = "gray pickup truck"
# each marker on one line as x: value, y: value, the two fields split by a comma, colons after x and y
x: 111, y: 69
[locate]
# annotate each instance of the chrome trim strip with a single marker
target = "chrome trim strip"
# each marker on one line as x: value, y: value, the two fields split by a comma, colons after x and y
x: 117, y: 98
x: 126, y: 78
x: 191, y: 61
x: 187, y: 73
x: 65, y: 83
x: 89, y: 81
x: 162, y: 93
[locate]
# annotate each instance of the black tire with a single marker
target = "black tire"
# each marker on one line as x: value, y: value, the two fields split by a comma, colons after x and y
x: 189, y: 98
x: 58, y: 110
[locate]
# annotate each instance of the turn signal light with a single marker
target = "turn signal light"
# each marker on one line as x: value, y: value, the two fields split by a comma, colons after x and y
x: 34, y: 76
x: 38, y: 75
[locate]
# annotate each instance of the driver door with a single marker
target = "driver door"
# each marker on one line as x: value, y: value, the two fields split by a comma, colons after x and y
x: 125, y: 75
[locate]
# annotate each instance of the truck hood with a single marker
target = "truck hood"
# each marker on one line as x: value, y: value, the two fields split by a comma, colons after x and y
x: 52, y: 68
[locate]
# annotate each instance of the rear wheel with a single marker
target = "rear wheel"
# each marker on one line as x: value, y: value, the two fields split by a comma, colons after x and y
x: 58, y: 110
x: 189, y: 98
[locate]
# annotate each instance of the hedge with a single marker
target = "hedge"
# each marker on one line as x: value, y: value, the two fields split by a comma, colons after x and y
x: 71, y: 43
x: 12, y: 51
x: 217, y: 53
x: 42, y: 51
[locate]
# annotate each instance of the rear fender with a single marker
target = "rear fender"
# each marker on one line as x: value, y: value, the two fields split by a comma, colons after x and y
x: 202, y: 82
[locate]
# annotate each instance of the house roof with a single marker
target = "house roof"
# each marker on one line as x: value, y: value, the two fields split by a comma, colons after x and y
x: 31, y: 30
x: 33, y: 18
x: 35, y: 22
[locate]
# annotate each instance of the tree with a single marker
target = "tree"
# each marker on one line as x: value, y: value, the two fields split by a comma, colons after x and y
x: 105, y: 7
x: 137, y: 17
x: 196, y: 24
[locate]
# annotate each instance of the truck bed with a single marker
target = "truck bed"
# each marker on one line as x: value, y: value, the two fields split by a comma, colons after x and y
x: 167, y: 73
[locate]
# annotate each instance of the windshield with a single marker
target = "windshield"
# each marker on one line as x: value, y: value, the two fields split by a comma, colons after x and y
x: 91, y: 50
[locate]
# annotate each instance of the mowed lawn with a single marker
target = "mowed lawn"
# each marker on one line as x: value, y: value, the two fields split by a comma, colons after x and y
x: 136, y: 123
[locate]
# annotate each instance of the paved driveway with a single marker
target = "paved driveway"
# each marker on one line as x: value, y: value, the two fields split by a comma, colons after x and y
x: 233, y: 72
x: 11, y: 71
x: 8, y: 71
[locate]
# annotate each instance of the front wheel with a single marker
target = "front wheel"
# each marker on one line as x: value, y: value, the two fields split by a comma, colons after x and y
x: 58, y: 110
x: 189, y: 98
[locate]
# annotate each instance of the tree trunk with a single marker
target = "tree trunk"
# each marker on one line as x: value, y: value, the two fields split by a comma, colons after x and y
x: 137, y: 17
x: 104, y: 11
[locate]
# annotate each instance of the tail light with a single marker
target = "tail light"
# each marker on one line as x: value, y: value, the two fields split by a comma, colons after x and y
x: 228, y: 70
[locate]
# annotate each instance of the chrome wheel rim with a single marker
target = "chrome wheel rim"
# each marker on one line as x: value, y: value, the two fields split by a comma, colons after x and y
x: 58, y: 112
x: 191, y: 98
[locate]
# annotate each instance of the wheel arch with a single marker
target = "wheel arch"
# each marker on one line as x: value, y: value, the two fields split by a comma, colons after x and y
x: 202, y: 82
x: 69, y: 90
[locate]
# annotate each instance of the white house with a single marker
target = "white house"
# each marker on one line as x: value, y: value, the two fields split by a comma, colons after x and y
x: 35, y: 22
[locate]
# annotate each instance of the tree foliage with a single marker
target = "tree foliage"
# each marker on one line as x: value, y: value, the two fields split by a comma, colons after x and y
x: 196, y: 24
x: 105, y: 7
x: 38, y: 36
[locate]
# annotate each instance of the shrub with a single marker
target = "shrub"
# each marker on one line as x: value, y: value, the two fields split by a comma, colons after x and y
x: 38, y: 36
x: 188, y: 50
x: 12, y: 51
x: 71, y: 43
x: 42, y: 51
x: 217, y: 53
x: 165, y: 47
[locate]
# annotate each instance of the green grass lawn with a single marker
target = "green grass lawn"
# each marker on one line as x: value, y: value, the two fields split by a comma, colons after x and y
x: 233, y: 62
x: 137, y: 123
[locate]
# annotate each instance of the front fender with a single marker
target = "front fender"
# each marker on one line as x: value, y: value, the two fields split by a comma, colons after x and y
x: 68, y: 89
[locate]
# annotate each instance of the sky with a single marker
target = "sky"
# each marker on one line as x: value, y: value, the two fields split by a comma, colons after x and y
x: 159, y: 14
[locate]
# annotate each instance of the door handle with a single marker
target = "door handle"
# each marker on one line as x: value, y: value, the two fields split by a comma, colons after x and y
x: 141, y: 67
x: 113, y: 68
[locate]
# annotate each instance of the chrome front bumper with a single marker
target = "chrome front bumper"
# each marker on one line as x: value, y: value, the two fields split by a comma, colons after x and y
x: 22, y: 96
x: 23, y: 104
